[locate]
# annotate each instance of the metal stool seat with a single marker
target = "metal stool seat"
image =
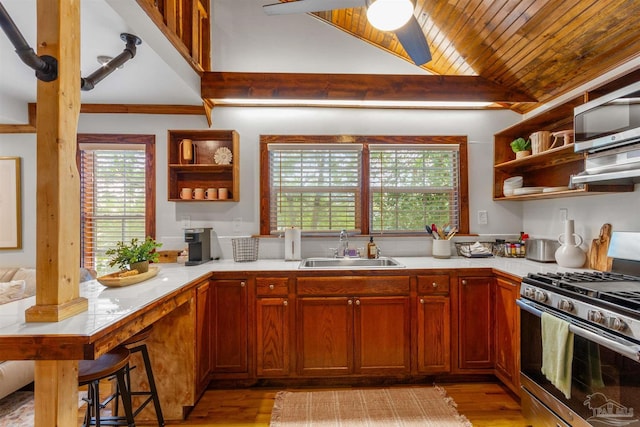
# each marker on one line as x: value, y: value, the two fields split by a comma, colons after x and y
x: 91, y: 372
x: 136, y: 344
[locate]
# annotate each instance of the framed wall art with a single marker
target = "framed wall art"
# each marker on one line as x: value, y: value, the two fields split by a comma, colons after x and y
x: 10, y: 202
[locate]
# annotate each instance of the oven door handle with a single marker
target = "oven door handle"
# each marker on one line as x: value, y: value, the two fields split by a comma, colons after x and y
x: 619, y: 345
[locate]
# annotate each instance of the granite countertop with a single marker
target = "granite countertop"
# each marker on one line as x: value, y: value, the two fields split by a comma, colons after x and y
x: 109, y: 305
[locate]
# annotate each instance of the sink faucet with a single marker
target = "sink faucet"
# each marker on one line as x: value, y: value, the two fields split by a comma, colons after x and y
x: 343, y: 246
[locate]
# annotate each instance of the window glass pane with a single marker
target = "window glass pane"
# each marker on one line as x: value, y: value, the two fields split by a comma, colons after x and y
x: 314, y: 188
x: 113, y: 197
x: 411, y: 187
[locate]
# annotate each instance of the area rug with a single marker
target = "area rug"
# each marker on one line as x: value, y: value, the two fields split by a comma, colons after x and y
x: 16, y: 409
x: 388, y: 407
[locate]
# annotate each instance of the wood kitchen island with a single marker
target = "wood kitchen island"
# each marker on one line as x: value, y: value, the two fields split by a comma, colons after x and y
x: 188, y: 305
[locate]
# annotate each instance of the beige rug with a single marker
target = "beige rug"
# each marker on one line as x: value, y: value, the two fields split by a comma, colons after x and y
x: 16, y: 409
x: 396, y: 406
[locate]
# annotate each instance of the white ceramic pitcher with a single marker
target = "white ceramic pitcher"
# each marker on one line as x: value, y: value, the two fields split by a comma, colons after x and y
x: 569, y: 254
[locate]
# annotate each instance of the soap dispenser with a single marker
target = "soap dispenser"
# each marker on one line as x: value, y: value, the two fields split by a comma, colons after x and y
x: 372, y: 249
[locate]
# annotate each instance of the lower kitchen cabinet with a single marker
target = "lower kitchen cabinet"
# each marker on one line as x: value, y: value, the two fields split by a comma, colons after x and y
x: 353, y: 335
x: 507, y: 333
x: 433, y: 324
x: 434, y: 334
x: 230, y: 309
x: 203, y: 337
x: 273, y: 331
x: 475, y: 318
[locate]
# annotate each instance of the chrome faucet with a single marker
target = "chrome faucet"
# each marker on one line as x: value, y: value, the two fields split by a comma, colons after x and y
x: 343, y: 246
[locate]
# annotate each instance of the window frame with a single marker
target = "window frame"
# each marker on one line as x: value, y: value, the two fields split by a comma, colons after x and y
x: 365, y: 140
x: 150, y: 170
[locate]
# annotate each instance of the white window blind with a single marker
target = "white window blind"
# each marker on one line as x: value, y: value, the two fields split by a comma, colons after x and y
x: 413, y: 185
x: 113, y: 199
x: 315, y: 187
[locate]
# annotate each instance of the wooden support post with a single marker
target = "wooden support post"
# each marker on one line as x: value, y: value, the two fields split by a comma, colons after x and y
x: 56, y: 397
x: 58, y: 182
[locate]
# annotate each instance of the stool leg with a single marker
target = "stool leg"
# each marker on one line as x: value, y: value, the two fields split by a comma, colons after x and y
x: 126, y: 397
x: 152, y: 385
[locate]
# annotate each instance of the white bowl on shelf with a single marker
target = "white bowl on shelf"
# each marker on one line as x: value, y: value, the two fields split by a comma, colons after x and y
x: 510, y: 184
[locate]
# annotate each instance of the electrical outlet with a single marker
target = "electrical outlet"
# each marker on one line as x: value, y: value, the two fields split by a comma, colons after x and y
x: 236, y: 224
x: 483, y: 217
x: 564, y: 214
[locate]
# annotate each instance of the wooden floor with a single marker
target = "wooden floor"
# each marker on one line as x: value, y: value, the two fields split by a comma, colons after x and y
x: 484, y: 404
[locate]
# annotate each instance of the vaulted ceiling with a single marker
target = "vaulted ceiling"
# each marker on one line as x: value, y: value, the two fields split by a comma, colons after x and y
x: 542, y: 48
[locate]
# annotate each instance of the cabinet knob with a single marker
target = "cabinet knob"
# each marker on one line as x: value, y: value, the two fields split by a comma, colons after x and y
x: 421, y: 300
x: 285, y: 303
x: 434, y: 284
x: 271, y: 286
x: 464, y: 282
x: 349, y: 302
x: 243, y: 284
x: 357, y: 302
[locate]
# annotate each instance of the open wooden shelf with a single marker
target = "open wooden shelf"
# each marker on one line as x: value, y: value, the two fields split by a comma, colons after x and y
x: 550, y: 168
x: 202, y: 171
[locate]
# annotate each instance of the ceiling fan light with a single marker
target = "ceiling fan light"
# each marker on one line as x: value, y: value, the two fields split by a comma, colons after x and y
x: 389, y: 15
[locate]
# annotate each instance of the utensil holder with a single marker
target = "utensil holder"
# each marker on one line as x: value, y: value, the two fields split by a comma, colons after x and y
x: 441, y: 248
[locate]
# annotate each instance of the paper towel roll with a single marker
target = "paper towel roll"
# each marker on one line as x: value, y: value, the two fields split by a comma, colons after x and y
x: 292, y: 243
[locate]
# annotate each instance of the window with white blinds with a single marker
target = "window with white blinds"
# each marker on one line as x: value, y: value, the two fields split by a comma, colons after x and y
x: 413, y: 185
x: 113, y: 199
x: 315, y: 187
x: 364, y: 184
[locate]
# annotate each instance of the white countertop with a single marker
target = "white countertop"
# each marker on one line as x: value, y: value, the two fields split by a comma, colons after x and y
x: 108, y: 305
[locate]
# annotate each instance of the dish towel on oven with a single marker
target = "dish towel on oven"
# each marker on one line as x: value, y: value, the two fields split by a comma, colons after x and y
x: 557, y: 352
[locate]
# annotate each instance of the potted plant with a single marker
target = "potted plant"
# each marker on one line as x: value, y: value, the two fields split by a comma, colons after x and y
x: 134, y: 255
x: 522, y: 147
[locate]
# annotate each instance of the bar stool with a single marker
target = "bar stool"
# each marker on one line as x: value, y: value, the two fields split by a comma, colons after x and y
x: 90, y: 372
x: 136, y: 344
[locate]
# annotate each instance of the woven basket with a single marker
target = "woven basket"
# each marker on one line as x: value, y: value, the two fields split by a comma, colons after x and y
x: 245, y: 249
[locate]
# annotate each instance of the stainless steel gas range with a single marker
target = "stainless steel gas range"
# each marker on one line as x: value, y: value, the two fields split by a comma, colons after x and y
x: 602, y: 311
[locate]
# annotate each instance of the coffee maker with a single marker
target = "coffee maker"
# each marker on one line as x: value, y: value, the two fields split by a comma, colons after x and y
x: 199, y: 240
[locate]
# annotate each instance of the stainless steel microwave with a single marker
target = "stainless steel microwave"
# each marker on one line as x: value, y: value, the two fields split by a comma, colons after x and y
x: 610, y: 121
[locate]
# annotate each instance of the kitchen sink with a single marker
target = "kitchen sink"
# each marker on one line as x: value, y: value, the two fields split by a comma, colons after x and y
x: 382, y: 262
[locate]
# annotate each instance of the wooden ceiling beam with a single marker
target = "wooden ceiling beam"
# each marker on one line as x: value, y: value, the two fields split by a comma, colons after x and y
x: 358, y: 87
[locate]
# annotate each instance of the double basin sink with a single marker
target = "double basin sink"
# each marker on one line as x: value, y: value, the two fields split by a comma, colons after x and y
x: 349, y: 263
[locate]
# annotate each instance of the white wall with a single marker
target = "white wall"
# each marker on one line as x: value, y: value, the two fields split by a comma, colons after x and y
x: 242, y: 218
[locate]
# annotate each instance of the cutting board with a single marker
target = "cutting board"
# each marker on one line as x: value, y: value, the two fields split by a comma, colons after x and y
x: 598, y: 259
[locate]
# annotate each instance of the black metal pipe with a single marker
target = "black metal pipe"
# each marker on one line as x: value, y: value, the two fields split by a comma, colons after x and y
x: 88, y: 83
x: 46, y: 67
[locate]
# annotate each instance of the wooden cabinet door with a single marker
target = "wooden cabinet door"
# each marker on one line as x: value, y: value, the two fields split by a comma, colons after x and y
x: 475, y: 345
x: 434, y: 334
x: 324, y: 336
x: 507, y: 333
x: 382, y: 335
x: 272, y: 337
x: 203, y: 337
x: 230, y: 326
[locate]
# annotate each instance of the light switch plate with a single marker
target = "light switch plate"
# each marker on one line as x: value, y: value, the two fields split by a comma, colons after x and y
x: 483, y: 217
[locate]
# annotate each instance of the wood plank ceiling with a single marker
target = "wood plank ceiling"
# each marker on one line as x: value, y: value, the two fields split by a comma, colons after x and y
x: 542, y: 48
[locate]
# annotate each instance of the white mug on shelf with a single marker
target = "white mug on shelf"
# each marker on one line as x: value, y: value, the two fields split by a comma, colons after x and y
x: 198, y: 193
x: 223, y: 193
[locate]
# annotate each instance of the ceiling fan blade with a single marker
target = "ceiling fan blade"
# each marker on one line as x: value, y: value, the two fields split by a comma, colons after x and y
x: 414, y: 42
x: 305, y: 6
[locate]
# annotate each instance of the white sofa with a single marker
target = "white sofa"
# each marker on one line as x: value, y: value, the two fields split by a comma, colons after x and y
x: 15, y: 284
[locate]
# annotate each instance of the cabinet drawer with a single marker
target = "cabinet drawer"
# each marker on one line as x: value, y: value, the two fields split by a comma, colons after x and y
x: 272, y: 286
x: 354, y: 285
x: 436, y: 284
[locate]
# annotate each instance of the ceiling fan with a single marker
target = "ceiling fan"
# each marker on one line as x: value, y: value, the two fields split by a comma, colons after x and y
x: 385, y: 15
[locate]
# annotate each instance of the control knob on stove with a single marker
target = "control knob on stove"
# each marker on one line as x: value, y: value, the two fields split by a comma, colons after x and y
x: 565, y: 304
x: 596, y: 316
x: 617, y: 324
x: 540, y: 296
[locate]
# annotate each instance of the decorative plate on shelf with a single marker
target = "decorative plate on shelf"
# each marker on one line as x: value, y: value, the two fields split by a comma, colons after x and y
x: 223, y: 156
